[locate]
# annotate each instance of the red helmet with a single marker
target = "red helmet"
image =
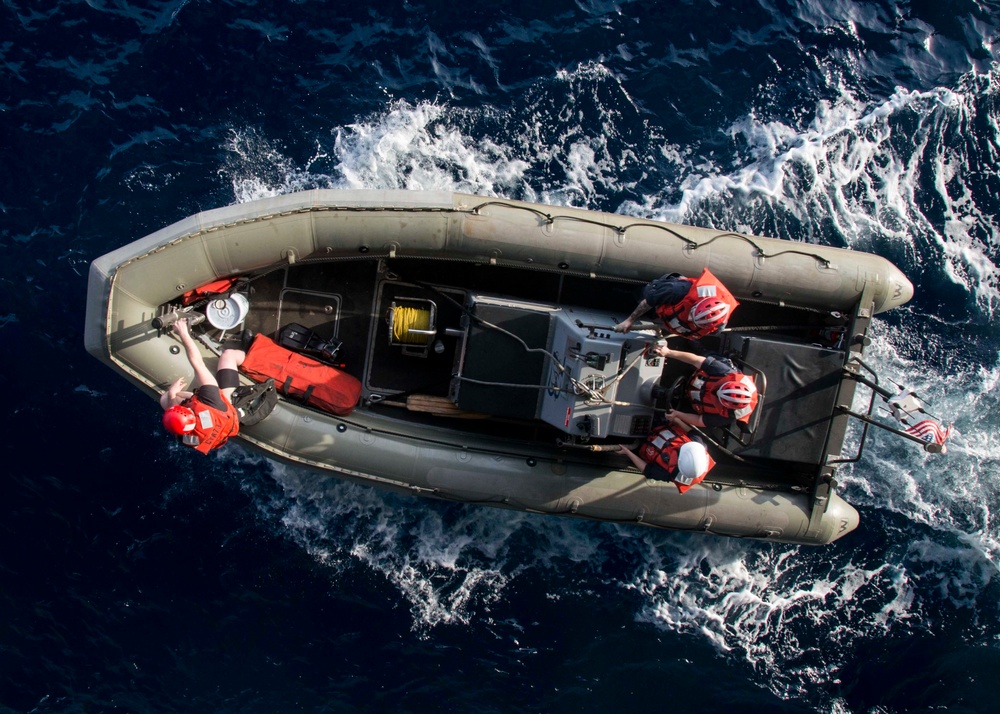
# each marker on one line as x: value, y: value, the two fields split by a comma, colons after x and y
x: 710, y: 312
x: 178, y: 420
x: 737, y: 395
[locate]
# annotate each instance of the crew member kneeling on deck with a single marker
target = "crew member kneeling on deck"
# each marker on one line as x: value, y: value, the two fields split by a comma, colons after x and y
x: 689, y: 308
x: 670, y: 454
x: 203, y: 419
x: 718, y: 392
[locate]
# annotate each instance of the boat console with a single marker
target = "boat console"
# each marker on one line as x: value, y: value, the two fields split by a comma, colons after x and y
x: 564, y: 366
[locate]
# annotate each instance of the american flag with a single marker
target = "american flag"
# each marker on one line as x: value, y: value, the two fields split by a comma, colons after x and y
x: 930, y: 431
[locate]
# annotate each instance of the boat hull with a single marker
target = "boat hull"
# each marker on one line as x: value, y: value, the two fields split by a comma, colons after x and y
x: 130, y: 285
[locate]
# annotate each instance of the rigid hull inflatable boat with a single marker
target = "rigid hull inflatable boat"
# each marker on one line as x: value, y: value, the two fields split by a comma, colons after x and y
x: 479, y: 334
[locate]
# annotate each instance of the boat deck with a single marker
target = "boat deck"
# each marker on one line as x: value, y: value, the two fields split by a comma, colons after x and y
x: 348, y: 300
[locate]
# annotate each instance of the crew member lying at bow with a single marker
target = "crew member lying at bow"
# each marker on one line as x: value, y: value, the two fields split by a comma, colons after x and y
x: 205, y: 418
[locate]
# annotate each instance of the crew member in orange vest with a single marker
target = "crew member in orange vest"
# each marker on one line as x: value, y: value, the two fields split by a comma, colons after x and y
x: 719, y: 393
x: 205, y: 418
x: 689, y: 308
x: 671, y: 454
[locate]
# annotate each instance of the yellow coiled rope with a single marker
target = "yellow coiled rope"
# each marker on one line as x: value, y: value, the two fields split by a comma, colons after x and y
x: 405, y: 319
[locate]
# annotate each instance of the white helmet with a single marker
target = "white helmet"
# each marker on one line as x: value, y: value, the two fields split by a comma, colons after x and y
x: 692, y: 460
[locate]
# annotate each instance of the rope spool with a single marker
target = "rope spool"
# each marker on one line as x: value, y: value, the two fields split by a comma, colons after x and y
x: 405, y: 319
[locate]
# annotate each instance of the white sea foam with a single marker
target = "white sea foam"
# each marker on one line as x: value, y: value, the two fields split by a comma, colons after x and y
x: 446, y: 571
x: 956, y: 494
x: 547, y: 155
x: 424, y: 147
x: 258, y: 169
x: 864, y: 170
x: 417, y: 147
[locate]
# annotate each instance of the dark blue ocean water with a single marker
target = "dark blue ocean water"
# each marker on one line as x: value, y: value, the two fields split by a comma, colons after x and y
x: 135, y: 577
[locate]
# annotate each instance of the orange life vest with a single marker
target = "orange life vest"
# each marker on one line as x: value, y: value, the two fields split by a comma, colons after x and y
x: 677, y: 317
x: 663, y: 447
x: 213, y: 427
x: 703, y: 390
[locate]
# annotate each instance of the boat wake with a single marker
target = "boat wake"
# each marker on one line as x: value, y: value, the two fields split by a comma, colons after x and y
x: 445, y: 564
